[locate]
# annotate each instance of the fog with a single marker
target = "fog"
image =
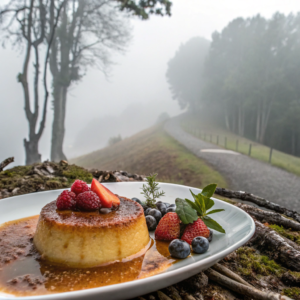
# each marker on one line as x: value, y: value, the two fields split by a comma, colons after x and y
x: 136, y: 86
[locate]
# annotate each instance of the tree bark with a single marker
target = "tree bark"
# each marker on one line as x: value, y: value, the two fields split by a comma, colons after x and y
x: 58, y: 126
x: 31, y: 151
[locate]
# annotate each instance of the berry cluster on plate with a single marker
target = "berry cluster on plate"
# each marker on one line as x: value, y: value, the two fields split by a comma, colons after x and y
x: 83, y: 198
x: 185, y: 223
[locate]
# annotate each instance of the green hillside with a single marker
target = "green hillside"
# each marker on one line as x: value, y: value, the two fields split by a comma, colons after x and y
x: 153, y: 151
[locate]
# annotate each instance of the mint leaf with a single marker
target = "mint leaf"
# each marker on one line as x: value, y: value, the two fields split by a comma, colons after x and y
x: 199, y: 200
x: 209, y: 203
x: 192, y: 204
x: 209, y: 190
x: 209, y: 222
x: 214, y: 211
x: 185, y: 212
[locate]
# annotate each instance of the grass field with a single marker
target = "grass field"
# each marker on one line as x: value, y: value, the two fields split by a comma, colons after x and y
x: 153, y: 151
x: 208, y: 131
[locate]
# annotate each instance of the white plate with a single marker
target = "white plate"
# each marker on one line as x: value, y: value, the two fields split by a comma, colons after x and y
x: 239, y: 228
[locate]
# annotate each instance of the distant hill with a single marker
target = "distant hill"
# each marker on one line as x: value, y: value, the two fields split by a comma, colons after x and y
x: 153, y: 151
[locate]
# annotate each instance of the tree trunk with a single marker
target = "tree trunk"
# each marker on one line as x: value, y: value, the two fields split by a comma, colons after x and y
x: 31, y: 151
x: 58, y: 126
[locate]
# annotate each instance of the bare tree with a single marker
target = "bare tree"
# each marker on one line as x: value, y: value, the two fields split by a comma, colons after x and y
x: 89, y: 30
x: 27, y: 24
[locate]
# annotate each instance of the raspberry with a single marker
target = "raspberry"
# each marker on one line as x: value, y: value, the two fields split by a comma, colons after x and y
x: 88, y: 201
x: 66, y: 200
x: 79, y: 187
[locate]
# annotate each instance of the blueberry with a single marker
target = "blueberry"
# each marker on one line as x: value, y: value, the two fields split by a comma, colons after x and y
x: 147, y: 211
x: 172, y: 205
x: 171, y: 209
x: 158, y: 202
x: 151, y: 223
x: 162, y: 208
x: 155, y: 213
x: 211, y: 234
x: 137, y: 200
x: 200, y: 244
x: 179, y: 249
x: 105, y: 211
x: 167, y: 204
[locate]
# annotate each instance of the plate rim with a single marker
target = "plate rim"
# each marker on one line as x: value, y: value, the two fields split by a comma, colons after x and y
x: 147, y: 280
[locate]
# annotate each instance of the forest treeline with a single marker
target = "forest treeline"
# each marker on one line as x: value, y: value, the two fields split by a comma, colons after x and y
x: 248, y: 78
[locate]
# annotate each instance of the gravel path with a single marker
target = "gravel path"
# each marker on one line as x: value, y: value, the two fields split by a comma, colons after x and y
x: 243, y: 172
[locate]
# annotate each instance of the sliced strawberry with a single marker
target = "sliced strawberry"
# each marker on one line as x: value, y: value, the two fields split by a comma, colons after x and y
x: 168, y: 228
x: 198, y: 228
x: 107, y: 198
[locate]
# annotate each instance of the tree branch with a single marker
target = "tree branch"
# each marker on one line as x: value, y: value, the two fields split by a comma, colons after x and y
x: 241, y: 288
x: 269, y: 216
x: 6, y: 162
x: 258, y: 201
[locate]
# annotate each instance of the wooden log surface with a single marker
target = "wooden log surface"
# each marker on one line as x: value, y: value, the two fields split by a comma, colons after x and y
x: 258, y: 201
x: 269, y: 217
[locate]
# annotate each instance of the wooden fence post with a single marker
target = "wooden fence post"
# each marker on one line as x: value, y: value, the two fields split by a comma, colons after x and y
x: 210, y: 138
x: 237, y: 145
x: 250, y: 146
x: 217, y: 140
x: 225, y: 142
x: 270, y: 156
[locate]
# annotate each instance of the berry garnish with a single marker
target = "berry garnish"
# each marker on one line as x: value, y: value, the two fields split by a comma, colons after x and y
x: 155, y: 213
x: 137, y: 200
x: 179, y: 249
x: 79, y: 187
x: 151, y: 223
x: 162, y: 208
x: 200, y: 244
x: 146, y: 212
x: 88, y: 201
x: 171, y: 209
x: 168, y: 228
x: 107, y: 198
x: 66, y: 200
x: 198, y: 228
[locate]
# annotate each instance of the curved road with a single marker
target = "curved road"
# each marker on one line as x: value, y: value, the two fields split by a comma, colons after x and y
x: 242, y: 172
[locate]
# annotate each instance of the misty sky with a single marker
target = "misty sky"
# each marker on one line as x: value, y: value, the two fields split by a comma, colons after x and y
x: 138, y: 76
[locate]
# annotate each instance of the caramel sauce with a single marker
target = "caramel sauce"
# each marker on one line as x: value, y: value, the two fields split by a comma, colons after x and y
x: 24, y: 273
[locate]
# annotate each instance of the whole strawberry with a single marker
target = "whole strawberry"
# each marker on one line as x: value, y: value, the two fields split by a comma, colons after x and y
x: 198, y: 228
x: 88, y: 201
x: 79, y: 187
x: 66, y: 200
x: 168, y: 227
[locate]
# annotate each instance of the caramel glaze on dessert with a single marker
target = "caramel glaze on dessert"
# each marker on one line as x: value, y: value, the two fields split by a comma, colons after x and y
x: 89, y: 239
x: 23, y: 272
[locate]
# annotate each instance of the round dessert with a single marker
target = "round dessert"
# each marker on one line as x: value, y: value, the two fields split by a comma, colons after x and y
x: 88, y: 239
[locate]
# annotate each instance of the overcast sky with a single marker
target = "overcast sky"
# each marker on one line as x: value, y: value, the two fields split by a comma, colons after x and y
x: 138, y: 76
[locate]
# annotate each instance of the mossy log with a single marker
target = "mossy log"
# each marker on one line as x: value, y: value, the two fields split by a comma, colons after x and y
x: 258, y: 201
x: 278, y: 247
x: 269, y: 217
x: 6, y: 162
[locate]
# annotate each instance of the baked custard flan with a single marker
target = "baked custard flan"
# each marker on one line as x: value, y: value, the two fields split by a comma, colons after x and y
x: 88, y: 239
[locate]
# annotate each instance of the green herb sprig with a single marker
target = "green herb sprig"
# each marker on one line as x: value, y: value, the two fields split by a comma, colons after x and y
x: 189, y: 211
x: 151, y: 190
